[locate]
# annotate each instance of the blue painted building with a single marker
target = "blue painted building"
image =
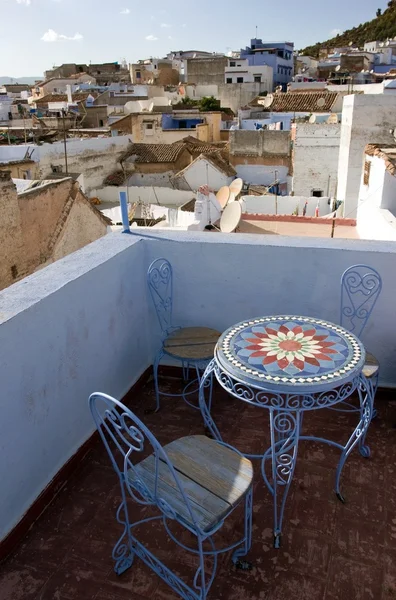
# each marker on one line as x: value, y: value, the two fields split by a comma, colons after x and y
x: 278, y: 55
x: 170, y: 122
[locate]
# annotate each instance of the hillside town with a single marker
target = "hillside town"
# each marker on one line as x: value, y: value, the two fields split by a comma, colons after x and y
x: 162, y: 127
x: 205, y: 237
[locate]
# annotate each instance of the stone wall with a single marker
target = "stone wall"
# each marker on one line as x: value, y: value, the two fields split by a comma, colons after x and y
x: 12, y: 263
x: 42, y: 225
x: 315, y: 158
x: 259, y: 143
x: 206, y: 71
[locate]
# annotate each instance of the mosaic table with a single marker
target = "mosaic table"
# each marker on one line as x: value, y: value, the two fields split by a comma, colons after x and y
x: 288, y: 365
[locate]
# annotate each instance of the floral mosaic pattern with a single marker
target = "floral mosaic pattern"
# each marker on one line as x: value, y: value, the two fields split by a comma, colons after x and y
x: 291, y: 349
x: 292, y: 346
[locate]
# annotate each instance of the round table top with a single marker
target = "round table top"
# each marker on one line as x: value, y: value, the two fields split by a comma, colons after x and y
x: 290, y: 354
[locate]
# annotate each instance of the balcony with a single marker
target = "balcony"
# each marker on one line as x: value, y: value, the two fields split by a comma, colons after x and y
x: 85, y: 324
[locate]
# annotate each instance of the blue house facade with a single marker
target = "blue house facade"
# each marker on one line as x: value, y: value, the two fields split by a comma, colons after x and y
x: 278, y: 55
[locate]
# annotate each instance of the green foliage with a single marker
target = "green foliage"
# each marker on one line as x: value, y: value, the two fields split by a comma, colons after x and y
x: 209, y: 103
x: 380, y: 28
x: 206, y: 104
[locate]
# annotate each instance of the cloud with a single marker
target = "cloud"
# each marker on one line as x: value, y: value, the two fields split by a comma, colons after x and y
x: 25, y: 2
x: 52, y: 36
x: 170, y: 37
x: 151, y: 38
x: 125, y: 11
x: 184, y: 25
x: 165, y: 25
x: 335, y: 32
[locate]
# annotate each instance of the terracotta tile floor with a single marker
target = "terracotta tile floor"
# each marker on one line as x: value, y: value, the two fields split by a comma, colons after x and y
x: 329, y: 550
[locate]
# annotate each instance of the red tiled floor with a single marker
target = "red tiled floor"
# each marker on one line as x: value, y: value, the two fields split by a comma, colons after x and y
x: 330, y: 551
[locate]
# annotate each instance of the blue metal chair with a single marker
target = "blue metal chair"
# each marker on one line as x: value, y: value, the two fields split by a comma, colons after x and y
x: 192, y: 346
x: 360, y: 288
x: 194, y: 481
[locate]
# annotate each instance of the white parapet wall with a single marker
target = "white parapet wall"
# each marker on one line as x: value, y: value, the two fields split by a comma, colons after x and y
x: 86, y: 324
x: 146, y: 194
x: 284, y: 205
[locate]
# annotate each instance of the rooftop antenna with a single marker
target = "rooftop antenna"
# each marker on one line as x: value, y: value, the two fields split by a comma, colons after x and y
x: 256, y: 32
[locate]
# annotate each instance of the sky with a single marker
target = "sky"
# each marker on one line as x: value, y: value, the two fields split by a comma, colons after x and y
x: 37, y: 34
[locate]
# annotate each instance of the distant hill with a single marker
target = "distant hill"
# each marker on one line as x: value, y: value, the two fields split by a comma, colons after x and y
x: 379, y: 29
x: 28, y: 80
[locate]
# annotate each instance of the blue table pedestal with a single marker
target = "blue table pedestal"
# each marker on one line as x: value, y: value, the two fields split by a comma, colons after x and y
x: 286, y: 417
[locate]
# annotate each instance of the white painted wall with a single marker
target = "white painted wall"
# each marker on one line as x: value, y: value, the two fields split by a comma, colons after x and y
x: 261, y: 174
x: 284, y: 205
x: 148, y: 195
x: 248, y: 74
x: 377, y: 203
x: 57, y: 346
x: 301, y: 277
x: 366, y: 118
x: 316, y: 151
x: 202, y: 172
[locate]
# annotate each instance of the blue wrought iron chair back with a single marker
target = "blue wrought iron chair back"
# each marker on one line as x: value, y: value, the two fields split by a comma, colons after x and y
x: 121, y: 430
x: 160, y: 283
x: 360, y: 288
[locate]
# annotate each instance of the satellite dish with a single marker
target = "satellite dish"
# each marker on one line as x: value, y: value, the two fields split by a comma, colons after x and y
x: 231, y: 198
x: 320, y: 102
x: 231, y: 217
x: 222, y: 195
x: 312, y: 119
x: 338, y: 68
x: 268, y: 100
x: 236, y: 186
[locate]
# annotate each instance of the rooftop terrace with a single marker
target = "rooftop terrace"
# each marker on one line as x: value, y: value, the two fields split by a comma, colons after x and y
x: 85, y: 324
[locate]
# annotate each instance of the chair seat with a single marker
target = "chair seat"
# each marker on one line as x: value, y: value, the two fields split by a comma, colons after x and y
x: 214, y: 479
x: 195, y: 343
x: 371, y: 366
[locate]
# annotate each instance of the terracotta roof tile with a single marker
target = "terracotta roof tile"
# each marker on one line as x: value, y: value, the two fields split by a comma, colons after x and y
x: 155, y: 153
x: 388, y: 155
x: 217, y: 161
x: 115, y: 178
x: 78, y: 97
x: 299, y: 102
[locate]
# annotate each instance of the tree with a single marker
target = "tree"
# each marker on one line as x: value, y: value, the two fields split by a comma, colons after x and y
x: 378, y: 13
x: 209, y: 103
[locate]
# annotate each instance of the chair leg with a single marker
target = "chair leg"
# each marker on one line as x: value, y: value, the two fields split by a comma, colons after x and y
x: 123, y: 551
x: 247, y: 543
x: 155, y: 369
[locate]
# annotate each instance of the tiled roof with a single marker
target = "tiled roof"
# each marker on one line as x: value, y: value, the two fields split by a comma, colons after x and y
x: 115, y: 178
x: 299, y: 102
x: 388, y: 155
x: 216, y: 160
x: 78, y: 97
x: 155, y: 153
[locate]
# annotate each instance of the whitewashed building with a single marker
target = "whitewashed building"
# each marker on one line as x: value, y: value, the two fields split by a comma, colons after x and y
x: 206, y: 169
x: 377, y: 197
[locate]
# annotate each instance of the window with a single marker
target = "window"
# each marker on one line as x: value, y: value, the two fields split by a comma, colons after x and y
x: 366, y: 174
x: 317, y: 193
x: 56, y: 168
x: 239, y: 79
x: 182, y: 124
x: 257, y: 78
x: 138, y: 76
x: 229, y: 79
x: 101, y: 123
x: 232, y: 63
